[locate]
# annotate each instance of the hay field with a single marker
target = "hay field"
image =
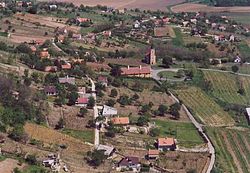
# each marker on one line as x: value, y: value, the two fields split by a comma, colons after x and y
x: 192, y: 7
x: 130, y: 4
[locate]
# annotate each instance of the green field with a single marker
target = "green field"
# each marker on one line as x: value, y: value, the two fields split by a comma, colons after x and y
x: 232, y: 149
x: 178, y: 40
x: 244, y: 49
x: 204, y: 108
x: 179, y: 131
x: 225, y: 87
x: 84, y: 135
x: 168, y: 74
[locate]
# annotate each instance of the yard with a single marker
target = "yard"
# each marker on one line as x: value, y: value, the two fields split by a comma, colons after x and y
x: 179, y: 130
x: 168, y: 75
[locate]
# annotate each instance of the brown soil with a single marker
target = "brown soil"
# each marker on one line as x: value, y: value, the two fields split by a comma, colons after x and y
x: 8, y: 165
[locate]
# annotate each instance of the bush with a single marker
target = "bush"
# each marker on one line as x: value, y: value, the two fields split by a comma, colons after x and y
x: 154, y: 132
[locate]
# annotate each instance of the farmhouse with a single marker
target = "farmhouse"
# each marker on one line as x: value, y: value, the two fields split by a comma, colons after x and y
x: 129, y: 163
x: 153, y: 154
x: 108, y: 150
x: 109, y: 111
x: 166, y: 144
x: 50, y: 90
x: 120, y: 120
x: 67, y: 79
x: 136, y: 71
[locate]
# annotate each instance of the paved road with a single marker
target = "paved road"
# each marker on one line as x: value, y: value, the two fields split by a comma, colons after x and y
x: 97, y: 131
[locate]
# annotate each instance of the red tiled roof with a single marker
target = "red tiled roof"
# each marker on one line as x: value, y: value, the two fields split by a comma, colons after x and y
x: 82, y: 100
x: 128, y: 161
x: 120, y: 120
x: 153, y: 152
x: 135, y: 70
x: 102, y: 79
x: 83, y: 20
x: 166, y: 141
x: 50, y: 69
x: 66, y: 66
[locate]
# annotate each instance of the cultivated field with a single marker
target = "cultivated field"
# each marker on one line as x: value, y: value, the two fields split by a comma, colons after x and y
x: 164, y: 32
x: 192, y: 7
x: 232, y: 149
x: 225, y: 87
x: 130, y: 4
x: 204, y: 108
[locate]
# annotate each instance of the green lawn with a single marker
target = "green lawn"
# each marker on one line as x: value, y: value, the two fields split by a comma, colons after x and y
x: 34, y: 169
x: 244, y: 49
x: 3, y: 34
x: 185, y: 132
x: 168, y: 75
x: 84, y: 135
x: 178, y: 40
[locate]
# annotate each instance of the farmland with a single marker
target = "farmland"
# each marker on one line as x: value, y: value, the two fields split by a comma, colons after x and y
x: 205, y: 108
x: 192, y: 7
x: 232, y: 149
x: 120, y: 4
x: 226, y: 86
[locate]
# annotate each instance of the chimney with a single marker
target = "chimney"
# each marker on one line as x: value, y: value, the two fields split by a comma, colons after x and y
x: 128, y: 67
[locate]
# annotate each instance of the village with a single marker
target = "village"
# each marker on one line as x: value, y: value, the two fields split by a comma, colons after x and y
x: 121, y: 90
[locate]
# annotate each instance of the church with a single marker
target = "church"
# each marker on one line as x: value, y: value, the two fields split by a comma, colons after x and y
x: 150, y: 57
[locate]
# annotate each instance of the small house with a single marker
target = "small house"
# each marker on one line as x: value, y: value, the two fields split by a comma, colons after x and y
x: 165, y: 144
x: 108, y: 111
x: 107, y: 33
x: 50, y: 69
x: 82, y: 101
x: 53, y: 7
x: 120, y: 120
x: 82, y: 20
x: 153, y: 154
x: 50, y: 90
x: 44, y: 54
x: 237, y: 59
x: 103, y: 80
x: 67, y: 79
x: 108, y: 150
x: 33, y: 49
x: 77, y: 36
x: 129, y: 163
x: 66, y: 66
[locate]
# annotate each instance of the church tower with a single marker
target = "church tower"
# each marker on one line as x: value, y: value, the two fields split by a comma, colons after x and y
x: 152, y: 56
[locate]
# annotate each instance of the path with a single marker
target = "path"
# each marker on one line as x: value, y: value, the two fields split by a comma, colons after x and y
x: 97, y: 131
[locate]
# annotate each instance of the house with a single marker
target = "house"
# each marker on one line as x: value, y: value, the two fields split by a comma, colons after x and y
x: 136, y: 71
x: 231, y: 38
x: 107, y: 33
x: 153, y: 154
x: 166, y: 144
x: 2, y: 5
x: 82, y: 101
x: 53, y: 7
x: 33, y: 49
x: 103, y: 80
x: 82, y: 20
x: 185, y: 23
x: 62, y: 30
x: 49, y: 162
x: 137, y: 24
x: 67, y: 79
x: 77, y: 36
x: 50, y: 90
x: 222, y: 28
x: 50, y: 69
x: 66, y: 66
x: 109, y: 111
x: 237, y: 59
x: 129, y: 163
x: 108, y: 150
x: 194, y: 21
x: 60, y: 38
x: 44, y: 54
x: 120, y: 120
x: 213, y: 25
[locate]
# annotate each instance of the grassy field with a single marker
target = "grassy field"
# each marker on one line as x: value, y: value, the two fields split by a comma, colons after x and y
x: 205, y: 108
x: 225, y: 87
x: 84, y: 135
x: 232, y: 149
x: 179, y: 130
x: 244, y: 49
x: 178, y: 40
x: 168, y: 74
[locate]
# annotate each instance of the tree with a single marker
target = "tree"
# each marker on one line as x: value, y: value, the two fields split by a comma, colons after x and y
x: 235, y: 68
x: 60, y: 124
x: 113, y: 93
x: 3, y: 46
x: 145, y: 108
x: 116, y: 71
x: 167, y: 61
x: 143, y: 120
x: 83, y: 112
x: 154, y: 132
x: 72, y: 97
x: 17, y: 133
x: 162, y: 109
x: 91, y: 102
x: 31, y: 159
x: 96, y: 157
x: 174, y: 110
x: 111, y: 102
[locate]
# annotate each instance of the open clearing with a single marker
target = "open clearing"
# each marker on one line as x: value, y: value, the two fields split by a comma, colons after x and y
x: 8, y: 165
x: 145, y: 4
x: 192, y: 7
x: 204, y: 107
